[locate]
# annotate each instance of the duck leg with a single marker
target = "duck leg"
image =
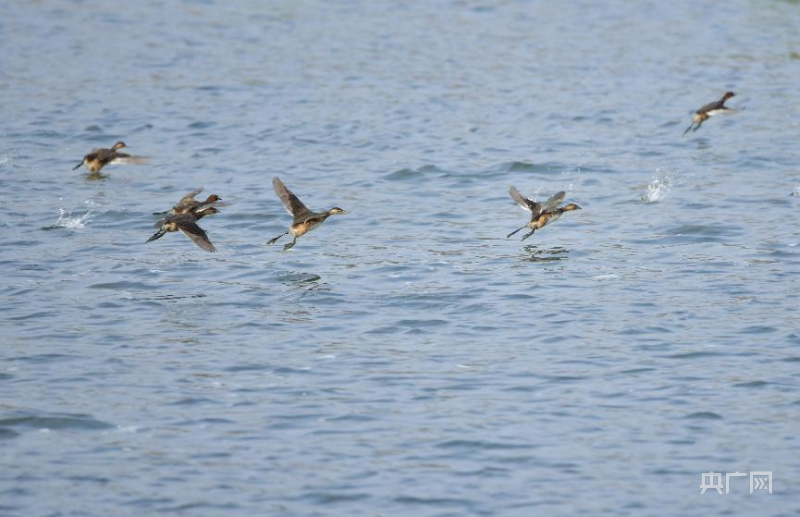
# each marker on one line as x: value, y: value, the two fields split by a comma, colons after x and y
x: 515, y: 231
x: 688, y: 128
x: 272, y: 241
x: 287, y: 246
x: 528, y: 234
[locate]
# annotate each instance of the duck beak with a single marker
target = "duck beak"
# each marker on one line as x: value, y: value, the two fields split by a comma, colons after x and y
x: 77, y: 166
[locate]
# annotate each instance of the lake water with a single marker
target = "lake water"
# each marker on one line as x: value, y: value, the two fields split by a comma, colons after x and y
x: 405, y: 359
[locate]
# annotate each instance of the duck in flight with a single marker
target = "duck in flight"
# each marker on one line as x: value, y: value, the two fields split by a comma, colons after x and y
x: 542, y: 214
x: 303, y: 219
x: 709, y: 110
x: 99, y: 158
x: 188, y: 203
x: 186, y: 223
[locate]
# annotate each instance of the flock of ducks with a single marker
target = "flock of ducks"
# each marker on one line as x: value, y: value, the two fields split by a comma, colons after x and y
x: 184, y: 215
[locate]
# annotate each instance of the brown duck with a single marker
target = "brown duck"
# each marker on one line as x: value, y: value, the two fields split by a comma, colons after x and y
x: 303, y: 219
x: 188, y: 203
x: 186, y: 223
x: 99, y: 158
x: 542, y: 214
x: 709, y: 110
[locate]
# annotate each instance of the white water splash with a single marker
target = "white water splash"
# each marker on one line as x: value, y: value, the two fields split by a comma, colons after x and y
x: 796, y: 191
x: 610, y: 276
x: 66, y: 220
x: 658, y: 189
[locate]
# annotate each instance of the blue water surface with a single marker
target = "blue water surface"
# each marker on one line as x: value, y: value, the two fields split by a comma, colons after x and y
x: 405, y: 359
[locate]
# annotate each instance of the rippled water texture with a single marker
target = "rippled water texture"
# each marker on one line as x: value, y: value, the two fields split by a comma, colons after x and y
x: 406, y: 358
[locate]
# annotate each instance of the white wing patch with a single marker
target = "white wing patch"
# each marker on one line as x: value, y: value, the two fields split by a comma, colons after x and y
x: 129, y: 160
x: 723, y: 111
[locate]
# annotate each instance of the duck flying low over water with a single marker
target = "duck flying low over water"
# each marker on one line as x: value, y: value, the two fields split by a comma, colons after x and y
x: 188, y: 203
x: 99, y: 158
x: 542, y: 214
x: 186, y: 223
x: 303, y: 219
x: 709, y: 110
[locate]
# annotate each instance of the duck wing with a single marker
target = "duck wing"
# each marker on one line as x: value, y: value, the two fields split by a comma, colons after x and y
x: 524, y: 202
x: 293, y: 205
x: 721, y: 111
x: 189, y: 198
x: 196, y: 234
x: 127, y: 159
x: 200, y: 208
x: 553, y: 202
x: 203, y: 211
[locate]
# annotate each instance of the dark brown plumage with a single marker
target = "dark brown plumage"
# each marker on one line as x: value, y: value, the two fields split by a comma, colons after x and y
x: 303, y: 219
x: 188, y: 203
